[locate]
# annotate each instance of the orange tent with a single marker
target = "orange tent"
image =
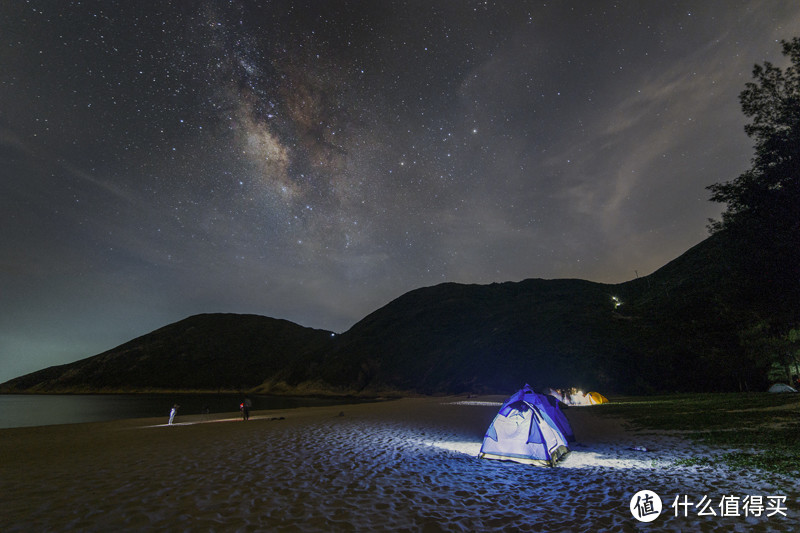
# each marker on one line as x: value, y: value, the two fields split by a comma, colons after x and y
x: 596, y: 398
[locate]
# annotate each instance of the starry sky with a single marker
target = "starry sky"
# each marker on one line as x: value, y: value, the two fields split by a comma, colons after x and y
x: 314, y: 160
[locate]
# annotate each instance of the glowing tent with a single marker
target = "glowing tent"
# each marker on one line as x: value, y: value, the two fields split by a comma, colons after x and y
x: 524, y: 432
x: 576, y: 397
x: 781, y: 387
x: 596, y: 398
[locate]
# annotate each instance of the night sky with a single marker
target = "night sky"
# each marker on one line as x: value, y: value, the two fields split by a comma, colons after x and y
x: 314, y: 160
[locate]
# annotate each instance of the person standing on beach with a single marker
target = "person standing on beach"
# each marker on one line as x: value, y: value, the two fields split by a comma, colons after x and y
x: 246, y: 405
x: 173, y: 412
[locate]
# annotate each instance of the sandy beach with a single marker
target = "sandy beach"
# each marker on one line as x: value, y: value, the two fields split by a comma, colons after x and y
x: 400, y: 465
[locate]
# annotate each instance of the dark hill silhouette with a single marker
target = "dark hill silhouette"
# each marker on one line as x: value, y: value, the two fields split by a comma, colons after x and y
x: 202, y: 352
x: 675, y: 329
x: 477, y: 338
x: 682, y: 324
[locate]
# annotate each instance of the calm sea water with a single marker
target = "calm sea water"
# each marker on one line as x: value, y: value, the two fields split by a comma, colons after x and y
x: 21, y: 410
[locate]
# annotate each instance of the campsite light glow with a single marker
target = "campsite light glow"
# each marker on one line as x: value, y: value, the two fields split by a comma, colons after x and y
x: 609, y: 457
x: 471, y: 448
x: 594, y: 455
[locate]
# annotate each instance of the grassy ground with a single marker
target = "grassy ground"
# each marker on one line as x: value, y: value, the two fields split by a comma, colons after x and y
x: 761, y: 430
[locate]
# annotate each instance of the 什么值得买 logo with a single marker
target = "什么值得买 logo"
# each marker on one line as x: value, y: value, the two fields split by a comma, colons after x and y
x: 645, y: 506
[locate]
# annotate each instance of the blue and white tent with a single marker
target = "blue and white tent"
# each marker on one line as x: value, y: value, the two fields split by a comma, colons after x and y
x: 523, y: 431
x: 551, y: 407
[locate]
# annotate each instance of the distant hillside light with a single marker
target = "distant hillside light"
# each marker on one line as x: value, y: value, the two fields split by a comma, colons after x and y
x: 617, y: 301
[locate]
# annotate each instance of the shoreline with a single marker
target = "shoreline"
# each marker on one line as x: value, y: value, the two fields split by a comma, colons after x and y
x: 55, y: 409
x: 408, y: 464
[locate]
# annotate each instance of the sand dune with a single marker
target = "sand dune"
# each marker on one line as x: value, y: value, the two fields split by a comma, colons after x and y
x: 405, y: 465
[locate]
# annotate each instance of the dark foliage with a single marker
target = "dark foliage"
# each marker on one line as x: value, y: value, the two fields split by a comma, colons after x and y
x: 763, y: 204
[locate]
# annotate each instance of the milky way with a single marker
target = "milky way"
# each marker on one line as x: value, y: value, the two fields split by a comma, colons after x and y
x: 314, y: 160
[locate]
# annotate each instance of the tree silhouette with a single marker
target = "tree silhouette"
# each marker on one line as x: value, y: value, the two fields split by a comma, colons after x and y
x: 763, y: 204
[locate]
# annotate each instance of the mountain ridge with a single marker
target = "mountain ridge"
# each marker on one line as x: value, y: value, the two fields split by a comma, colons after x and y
x: 671, y: 330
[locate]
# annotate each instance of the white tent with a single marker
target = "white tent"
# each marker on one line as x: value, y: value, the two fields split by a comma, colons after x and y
x: 781, y: 387
x: 524, y: 432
